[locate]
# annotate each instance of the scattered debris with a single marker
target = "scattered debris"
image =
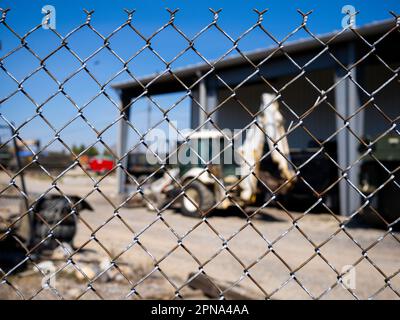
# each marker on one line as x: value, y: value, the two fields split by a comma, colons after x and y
x: 213, y: 288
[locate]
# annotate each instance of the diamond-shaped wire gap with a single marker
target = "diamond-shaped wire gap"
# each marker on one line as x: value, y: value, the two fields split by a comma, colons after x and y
x: 146, y: 115
x: 21, y: 63
x: 252, y: 39
x: 319, y: 227
x: 164, y: 39
x: 56, y: 106
x: 246, y: 238
x: 81, y: 88
x: 146, y: 62
x: 101, y: 112
x: 239, y: 117
x: 113, y: 233
x: 368, y: 280
x: 155, y: 286
x: 272, y: 222
x: 376, y: 49
x: 177, y: 105
x: 381, y: 109
x: 84, y: 42
x: 158, y: 239
x: 90, y: 221
x: 186, y: 58
x: 323, y: 56
x: 91, y: 259
x: 382, y: 255
x: 40, y: 47
x: 231, y: 272
x: 309, y: 161
x: 294, y: 248
x: 99, y: 267
x: 18, y: 109
x: 126, y: 43
x: 77, y: 131
x: 40, y: 87
x: 222, y: 45
x: 199, y: 234
x: 300, y: 97
x: 33, y: 131
x: 177, y: 266
x: 317, y: 268
x: 55, y: 159
x: 340, y: 250
x: 139, y: 123
x: 104, y: 65
x: 342, y: 253
x: 268, y: 271
x: 62, y: 64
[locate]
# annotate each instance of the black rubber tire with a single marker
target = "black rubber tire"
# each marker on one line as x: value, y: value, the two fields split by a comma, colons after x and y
x: 63, y: 233
x: 55, y: 210
x: 205, y: 196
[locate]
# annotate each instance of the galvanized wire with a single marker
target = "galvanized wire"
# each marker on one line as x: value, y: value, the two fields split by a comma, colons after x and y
x: 120, y: 164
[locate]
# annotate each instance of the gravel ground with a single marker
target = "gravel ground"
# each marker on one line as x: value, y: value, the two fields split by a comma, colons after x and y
x: 204, y: 245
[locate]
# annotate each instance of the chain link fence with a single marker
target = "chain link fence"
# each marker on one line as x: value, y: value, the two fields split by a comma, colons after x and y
x: 267, y: 217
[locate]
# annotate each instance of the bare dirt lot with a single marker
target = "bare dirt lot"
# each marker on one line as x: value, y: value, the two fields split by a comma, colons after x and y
x: 162, y: 250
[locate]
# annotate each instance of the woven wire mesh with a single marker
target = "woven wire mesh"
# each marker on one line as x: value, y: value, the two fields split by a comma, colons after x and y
x: 120, y: 159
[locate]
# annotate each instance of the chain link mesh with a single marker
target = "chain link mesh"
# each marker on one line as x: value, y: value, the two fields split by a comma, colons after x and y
x: 299, y: 121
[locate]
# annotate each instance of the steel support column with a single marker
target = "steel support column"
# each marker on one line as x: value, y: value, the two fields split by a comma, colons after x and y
x: 122, y: 142
x: 212, y: 100
x: 347, y: 102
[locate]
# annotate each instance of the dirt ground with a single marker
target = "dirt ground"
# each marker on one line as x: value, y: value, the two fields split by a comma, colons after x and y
x: 223, y: 253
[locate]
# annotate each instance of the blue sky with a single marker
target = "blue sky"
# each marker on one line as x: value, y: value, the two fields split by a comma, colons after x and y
x: 235, y: 18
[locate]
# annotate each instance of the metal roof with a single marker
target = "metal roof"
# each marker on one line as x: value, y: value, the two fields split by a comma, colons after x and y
x: 305, y: 44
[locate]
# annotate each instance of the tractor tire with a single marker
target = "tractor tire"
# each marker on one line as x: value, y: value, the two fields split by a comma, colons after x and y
x: 63, y: 233
x: 201, y: 196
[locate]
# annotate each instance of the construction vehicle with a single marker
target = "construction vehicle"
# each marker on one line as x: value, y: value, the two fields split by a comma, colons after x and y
x: 214, y: 179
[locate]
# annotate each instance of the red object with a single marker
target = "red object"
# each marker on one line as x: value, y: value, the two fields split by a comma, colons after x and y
x: 100, y: 165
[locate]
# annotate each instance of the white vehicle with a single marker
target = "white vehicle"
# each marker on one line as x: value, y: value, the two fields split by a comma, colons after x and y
x: 215, y: 173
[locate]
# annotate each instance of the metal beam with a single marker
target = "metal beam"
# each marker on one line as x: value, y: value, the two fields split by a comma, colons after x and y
x: 347, y: 101
x: 122, y: 142
x: 202, y: 101
x: 212, y: 100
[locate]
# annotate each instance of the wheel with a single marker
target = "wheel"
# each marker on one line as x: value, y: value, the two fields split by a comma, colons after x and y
x: 200, y: 197
x: 54, y: 210
x: 63, y: 233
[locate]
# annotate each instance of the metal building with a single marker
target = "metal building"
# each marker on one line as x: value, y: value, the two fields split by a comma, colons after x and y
x: 353, y: 73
